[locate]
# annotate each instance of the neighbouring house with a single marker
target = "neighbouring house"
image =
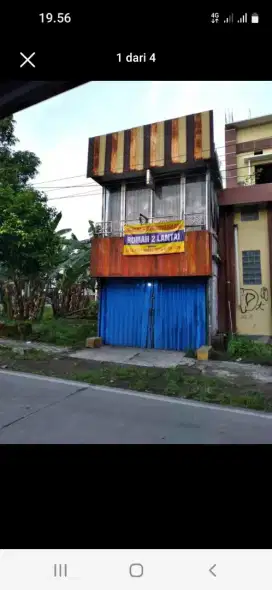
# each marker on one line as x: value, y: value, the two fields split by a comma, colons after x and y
x: 155, y: 254
x: 245, y: 234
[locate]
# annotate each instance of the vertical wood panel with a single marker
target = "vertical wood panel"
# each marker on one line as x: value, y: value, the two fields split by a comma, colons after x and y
x: 120, y: 153
x: 190, y: 131
x: 96, y: 149
x: 182, y: 140
x: 153, y: 142
x: 197, y: 137
x: 90, y: 157
x: 132, y: 150
x: 206, y: 140
x: 157, y: 145
x: 127, y: 134
x: 117, y: 153
x: 108, y: 151
x: 160, y: 145
x: 147, y: 141
x: 107, y: 259
x: 102, y: 153
x: 137, y: 149
x: 175, y: 141
x: 113, y: 162
x: 140, y: 148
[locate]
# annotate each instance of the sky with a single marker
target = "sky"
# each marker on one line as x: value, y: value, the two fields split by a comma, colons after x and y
x: 57, y: 130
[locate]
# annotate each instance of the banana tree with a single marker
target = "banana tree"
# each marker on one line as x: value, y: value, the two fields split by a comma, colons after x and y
x: 72, y: 282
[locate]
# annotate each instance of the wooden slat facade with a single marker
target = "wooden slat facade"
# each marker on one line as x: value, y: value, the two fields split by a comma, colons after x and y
x: 177, y: 143
x: 108, y: 260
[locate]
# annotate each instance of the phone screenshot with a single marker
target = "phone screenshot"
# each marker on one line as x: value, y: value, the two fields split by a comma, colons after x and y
x: 135, y: 239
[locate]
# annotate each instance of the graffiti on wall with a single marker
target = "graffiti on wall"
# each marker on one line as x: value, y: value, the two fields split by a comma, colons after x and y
x: 251, y: 300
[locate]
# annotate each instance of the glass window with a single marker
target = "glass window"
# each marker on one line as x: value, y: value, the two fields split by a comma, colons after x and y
x: 195, y: 202
x: 114, y: 210
x: 250, y: 214
x: 251, y: 261
x: 138, y: 200
x: 166, y: 200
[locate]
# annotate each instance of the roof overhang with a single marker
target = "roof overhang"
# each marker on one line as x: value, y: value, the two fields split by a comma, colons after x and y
x: 246, y: 195
x: 16, y: 95
x: 249, y: 122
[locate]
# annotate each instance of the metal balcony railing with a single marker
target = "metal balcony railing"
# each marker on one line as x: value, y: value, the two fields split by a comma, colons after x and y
x: 193, y: 222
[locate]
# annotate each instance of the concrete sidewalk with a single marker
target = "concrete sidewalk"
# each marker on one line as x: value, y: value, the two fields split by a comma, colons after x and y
x: 142, y: 357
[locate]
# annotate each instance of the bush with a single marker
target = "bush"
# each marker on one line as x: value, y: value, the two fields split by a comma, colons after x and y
x: 64, y: 332
x: 243, y: 347
x: 22, y: 330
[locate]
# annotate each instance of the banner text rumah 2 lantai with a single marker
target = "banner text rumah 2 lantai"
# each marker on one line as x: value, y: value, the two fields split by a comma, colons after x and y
x: 154, y: 238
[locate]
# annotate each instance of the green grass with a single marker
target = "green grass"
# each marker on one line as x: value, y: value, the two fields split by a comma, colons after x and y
x: 71, y: 332
x: 47, y: 313
x: 249, y: 350
x: 64, y: 332
x: 177, y: 383
x: 7, y: 353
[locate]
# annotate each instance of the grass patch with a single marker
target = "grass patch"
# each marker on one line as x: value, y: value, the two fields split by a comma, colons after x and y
x: 70, y: 332
x: 64, y: 332
x: 7, y: 353
x: 47, y: 313
x: 178, y: 382
x: 249, y: 350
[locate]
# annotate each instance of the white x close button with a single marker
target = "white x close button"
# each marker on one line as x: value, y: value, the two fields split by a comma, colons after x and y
x: 27, y: 60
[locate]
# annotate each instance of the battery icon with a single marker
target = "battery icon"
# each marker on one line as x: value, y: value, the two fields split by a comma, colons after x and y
x: 254, y: 17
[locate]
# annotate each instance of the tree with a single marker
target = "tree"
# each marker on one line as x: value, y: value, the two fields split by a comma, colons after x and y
x: 16, y: 167
x: 72, y: 280
x: 30, y: 246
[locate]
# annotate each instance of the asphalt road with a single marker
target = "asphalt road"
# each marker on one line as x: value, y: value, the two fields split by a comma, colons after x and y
x: 37, y: 409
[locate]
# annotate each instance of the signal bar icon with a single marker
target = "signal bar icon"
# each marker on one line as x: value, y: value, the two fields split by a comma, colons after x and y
x: 60, y: 570
x: 243, y: 19
x: 229, y: 19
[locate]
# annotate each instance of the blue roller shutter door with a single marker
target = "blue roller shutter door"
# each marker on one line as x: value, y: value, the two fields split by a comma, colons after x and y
x: 162, y: 314
x: 180, y: 315
x: 124, y: 313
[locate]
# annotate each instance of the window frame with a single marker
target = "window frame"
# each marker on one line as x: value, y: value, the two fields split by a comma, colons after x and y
x: 250, y: 212
x: 179, y: 182
x: 206, y: 213
x: 125, y: 186
x: 181, y: 179
x: 258, y: 272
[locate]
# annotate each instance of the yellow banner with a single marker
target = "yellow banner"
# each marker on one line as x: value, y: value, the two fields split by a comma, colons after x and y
x: 164, y: 237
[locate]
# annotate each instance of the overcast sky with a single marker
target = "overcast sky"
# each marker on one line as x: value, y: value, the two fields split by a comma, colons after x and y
x: 58, y: 129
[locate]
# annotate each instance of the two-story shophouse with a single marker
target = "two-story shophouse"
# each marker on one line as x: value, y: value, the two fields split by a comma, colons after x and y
x: 155, y: 255
x: 246, y: 229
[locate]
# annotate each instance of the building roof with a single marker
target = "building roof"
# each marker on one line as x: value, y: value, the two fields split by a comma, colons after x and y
x: 183, y: 143
x: 249, y: 122
x: 16, y: 95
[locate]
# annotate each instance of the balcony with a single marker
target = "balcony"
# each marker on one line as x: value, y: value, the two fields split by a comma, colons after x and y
x: 109, y: 229
x: 108, y: 260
